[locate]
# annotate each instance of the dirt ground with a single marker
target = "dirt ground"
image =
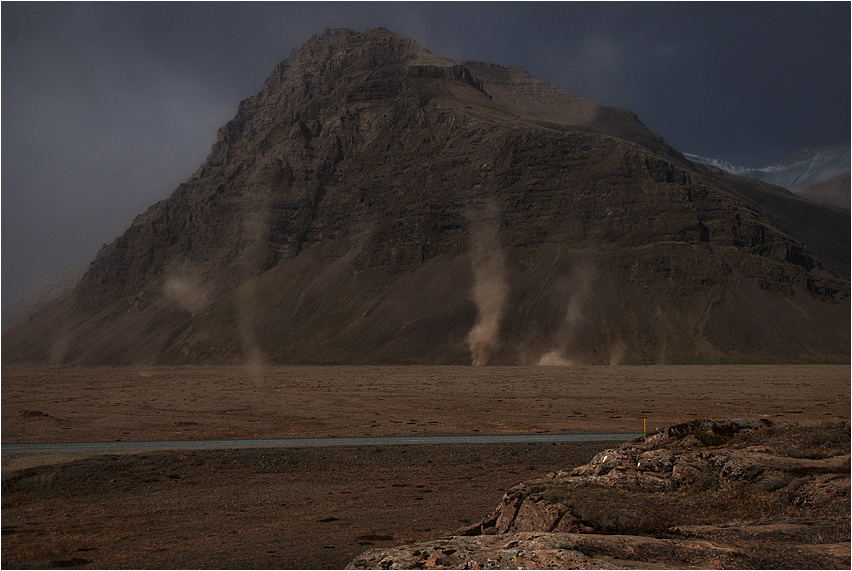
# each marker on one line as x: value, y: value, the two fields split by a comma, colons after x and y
x: 105, y: 404
x: 319, y: 508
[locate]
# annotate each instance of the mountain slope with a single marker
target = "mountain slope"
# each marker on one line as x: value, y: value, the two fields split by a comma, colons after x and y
x: 835, y: 191
x: 48, y: 290
x: 795, y: 171
x: 375, y: 203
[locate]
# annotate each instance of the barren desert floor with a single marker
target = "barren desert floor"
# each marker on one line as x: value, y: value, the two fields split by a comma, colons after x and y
x: 319, y: 508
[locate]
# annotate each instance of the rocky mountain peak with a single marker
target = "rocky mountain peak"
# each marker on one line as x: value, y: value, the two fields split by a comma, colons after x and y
x: 337, y: 80
x: 339, y: 50
x: 375, y: 203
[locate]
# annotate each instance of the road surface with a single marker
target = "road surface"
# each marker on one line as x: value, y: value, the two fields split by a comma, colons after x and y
x: 306, y: 442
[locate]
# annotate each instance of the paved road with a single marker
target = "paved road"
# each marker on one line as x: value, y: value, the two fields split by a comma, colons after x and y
x: 305, y: 442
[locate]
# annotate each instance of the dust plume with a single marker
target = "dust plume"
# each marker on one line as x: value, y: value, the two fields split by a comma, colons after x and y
x: 490, y: 290
x: 616, y: 353
x: 253, y: 261
x: 577, y: 289
x: 554, y: 359
x: 246, y: 325
x: 61, y: 344
x: 188, y: 291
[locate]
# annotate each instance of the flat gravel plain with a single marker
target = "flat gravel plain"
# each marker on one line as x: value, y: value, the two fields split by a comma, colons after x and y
x: 294, y: 508
x: 320, y: 507
x: 80, y: 404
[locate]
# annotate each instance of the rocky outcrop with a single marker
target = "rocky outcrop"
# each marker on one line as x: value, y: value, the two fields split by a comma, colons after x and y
x: 523, y: 95
x: 530, y: 550
x: 716, y: 494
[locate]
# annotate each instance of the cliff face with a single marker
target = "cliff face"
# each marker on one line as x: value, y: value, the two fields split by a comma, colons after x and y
x: 375, y: 203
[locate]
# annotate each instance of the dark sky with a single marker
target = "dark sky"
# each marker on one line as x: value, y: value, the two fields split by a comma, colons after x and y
x: 107, y: 107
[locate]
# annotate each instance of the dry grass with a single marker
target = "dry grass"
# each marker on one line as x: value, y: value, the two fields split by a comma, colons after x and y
x: 800, y: 441
x: 632, y: 510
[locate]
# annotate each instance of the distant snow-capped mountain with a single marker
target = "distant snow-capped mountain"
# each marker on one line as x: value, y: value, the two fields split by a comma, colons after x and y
x: 796, y: 171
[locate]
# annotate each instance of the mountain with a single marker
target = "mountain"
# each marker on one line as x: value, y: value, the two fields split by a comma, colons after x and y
x: 835, y: 191
x: 376, y: 203
x: 795, y: 171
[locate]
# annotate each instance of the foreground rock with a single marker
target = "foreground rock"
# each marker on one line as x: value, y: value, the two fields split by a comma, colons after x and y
x: 720, y: 494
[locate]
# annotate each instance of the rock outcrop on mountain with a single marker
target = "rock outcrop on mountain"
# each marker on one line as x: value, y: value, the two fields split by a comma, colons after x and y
x: 375, y: 203
x: 713, y: 494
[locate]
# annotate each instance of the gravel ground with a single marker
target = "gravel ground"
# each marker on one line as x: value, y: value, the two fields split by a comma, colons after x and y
x: 303, y: 508
x: 320, y: 507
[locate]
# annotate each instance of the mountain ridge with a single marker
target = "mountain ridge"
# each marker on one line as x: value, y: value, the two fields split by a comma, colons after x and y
x: 794, y: 171
x: 375, y: 203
